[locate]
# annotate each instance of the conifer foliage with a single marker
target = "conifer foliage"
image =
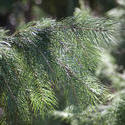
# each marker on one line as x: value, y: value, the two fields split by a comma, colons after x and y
x: 46, y: 60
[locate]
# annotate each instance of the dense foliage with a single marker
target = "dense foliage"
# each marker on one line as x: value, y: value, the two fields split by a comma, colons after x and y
x: 46, y: 63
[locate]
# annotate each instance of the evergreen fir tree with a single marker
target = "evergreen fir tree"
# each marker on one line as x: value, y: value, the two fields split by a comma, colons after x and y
x: 46, y: 63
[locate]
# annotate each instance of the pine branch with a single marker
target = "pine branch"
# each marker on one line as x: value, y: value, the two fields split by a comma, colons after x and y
x: 46, y: 56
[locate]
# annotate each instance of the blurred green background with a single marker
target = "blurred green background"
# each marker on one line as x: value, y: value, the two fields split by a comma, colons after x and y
x: 14, y: 13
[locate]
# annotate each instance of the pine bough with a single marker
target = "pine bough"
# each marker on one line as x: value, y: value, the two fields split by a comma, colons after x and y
x: 46, y: 61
